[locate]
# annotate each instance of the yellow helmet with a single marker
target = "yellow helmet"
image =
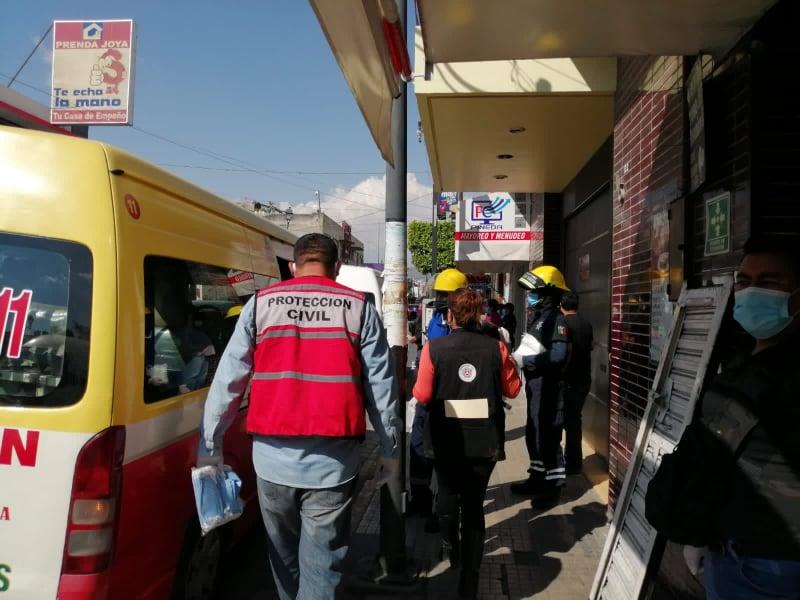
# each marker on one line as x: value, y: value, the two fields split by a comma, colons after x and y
x: 449, y: 280
x: 543, y: 277
x: 234, y: 311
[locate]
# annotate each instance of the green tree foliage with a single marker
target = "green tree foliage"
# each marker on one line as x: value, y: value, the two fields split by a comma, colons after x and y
x: 420, y: 245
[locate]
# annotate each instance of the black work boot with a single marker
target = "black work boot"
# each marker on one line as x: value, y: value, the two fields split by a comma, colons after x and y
x: 528, y: 487
x: 547, y: 498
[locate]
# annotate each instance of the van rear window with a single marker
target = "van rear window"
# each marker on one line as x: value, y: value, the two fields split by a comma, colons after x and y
x: 45, y: 310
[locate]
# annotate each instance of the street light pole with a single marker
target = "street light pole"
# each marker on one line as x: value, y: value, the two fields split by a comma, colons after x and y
x: 393, y: 559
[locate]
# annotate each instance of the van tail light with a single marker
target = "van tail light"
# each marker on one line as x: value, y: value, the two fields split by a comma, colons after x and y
x: 94, y: 505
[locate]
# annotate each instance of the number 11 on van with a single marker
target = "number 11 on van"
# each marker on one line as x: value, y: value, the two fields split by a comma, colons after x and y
x: 19, y: 305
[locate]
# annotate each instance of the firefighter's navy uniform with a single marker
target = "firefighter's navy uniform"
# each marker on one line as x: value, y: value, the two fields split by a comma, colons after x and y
x: 544, y: 375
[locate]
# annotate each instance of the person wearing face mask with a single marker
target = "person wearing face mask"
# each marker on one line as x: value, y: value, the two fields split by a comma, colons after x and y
x: 733, y: 482
x: 544, y: 375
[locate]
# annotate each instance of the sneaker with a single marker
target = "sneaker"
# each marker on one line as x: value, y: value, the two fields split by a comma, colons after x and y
x: 528, y: 487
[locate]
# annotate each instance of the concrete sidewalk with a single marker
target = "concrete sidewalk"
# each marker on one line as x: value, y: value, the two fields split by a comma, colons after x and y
x: 529, y: 553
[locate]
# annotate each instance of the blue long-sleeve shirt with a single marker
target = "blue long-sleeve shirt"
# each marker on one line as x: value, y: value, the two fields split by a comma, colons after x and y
x: 304, y: 462
x: 437, y: 326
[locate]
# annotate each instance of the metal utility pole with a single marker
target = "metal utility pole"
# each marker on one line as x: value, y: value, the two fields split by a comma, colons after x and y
x: 435, y: 234
x: 392, y: 560
x: 319, y: 204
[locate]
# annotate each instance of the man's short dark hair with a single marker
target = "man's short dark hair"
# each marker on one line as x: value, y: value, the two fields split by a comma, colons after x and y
x: 316, y: 247
x: 787, y: 246
x: 569, y: 301
x: 509, y: 307
x: 493, y: 304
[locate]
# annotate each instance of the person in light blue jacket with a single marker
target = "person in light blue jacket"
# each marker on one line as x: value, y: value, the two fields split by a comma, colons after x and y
x: 306, y: 484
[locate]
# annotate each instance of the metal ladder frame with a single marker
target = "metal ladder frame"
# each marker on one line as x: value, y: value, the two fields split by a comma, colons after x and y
x: 657, y: 407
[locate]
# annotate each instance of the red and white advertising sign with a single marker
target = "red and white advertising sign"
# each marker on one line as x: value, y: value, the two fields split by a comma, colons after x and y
x: 92, y: 72
x: 496, y: 228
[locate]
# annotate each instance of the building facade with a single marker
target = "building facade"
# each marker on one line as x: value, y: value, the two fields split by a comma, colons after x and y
x: 17, y: 110
x: 700, y: 153
x: 351, y: 249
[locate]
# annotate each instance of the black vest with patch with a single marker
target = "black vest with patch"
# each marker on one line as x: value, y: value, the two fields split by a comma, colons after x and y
x: 466, y: 418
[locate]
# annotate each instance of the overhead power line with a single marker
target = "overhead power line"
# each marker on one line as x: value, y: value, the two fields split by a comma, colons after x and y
x: 241, y: 165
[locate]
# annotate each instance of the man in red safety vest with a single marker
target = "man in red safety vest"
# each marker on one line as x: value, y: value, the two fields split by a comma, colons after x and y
x: 316, y: 355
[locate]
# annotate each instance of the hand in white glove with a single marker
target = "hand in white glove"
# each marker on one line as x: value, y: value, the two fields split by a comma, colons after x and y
x: 694, y: 559
x: 388, y: 469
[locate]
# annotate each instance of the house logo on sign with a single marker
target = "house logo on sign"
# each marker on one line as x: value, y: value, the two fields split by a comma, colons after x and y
x: 92, y: 31
x: 486, y: 211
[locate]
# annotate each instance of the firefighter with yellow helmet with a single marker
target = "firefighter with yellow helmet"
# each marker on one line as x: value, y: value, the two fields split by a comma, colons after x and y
x: 420, y: 466
x: 543, y: 388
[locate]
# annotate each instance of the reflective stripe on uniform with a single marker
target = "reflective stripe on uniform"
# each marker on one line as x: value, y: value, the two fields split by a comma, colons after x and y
x: 306, y: 377
x: 305, y: 335
x: 557, y: 473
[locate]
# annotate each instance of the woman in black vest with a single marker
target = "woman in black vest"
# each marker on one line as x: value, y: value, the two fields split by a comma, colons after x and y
x: 462, y: 378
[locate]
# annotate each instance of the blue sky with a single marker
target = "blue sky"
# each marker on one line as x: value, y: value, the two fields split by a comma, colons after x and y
x: 254, y: 80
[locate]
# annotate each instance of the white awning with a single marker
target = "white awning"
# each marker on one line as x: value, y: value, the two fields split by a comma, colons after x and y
x: 475, y: 30
x: 354, y: 29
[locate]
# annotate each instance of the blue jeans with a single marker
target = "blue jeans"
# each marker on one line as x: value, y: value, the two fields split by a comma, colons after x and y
x: 307, y: 536
x: 728, y: 576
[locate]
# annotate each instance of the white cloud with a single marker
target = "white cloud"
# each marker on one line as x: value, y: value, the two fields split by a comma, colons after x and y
x: 362, y: 206
x: 45, y: 50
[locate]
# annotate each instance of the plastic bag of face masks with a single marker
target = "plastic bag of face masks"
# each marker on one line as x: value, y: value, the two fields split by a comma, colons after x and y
x: 216, y: 494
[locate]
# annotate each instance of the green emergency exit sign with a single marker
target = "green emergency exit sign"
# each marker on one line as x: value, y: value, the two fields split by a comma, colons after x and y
x: 718, y: 224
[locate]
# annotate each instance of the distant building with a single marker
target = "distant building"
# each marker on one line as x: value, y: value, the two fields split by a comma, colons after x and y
x: 351, y: 249
x: 20, y: 111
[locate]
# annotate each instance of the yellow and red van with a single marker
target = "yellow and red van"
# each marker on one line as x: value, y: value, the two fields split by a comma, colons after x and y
x: 117, y: 283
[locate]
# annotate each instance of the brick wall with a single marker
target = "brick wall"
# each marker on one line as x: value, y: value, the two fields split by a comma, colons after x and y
x: 648, y: 174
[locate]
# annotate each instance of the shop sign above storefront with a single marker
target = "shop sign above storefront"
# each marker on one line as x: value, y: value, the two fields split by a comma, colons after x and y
x: 495, y: 226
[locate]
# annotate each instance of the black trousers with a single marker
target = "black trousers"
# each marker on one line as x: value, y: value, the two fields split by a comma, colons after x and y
x: 420, y: 466
x: 574, y: 397
x: 462, y: 489
x: 543, y: 431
